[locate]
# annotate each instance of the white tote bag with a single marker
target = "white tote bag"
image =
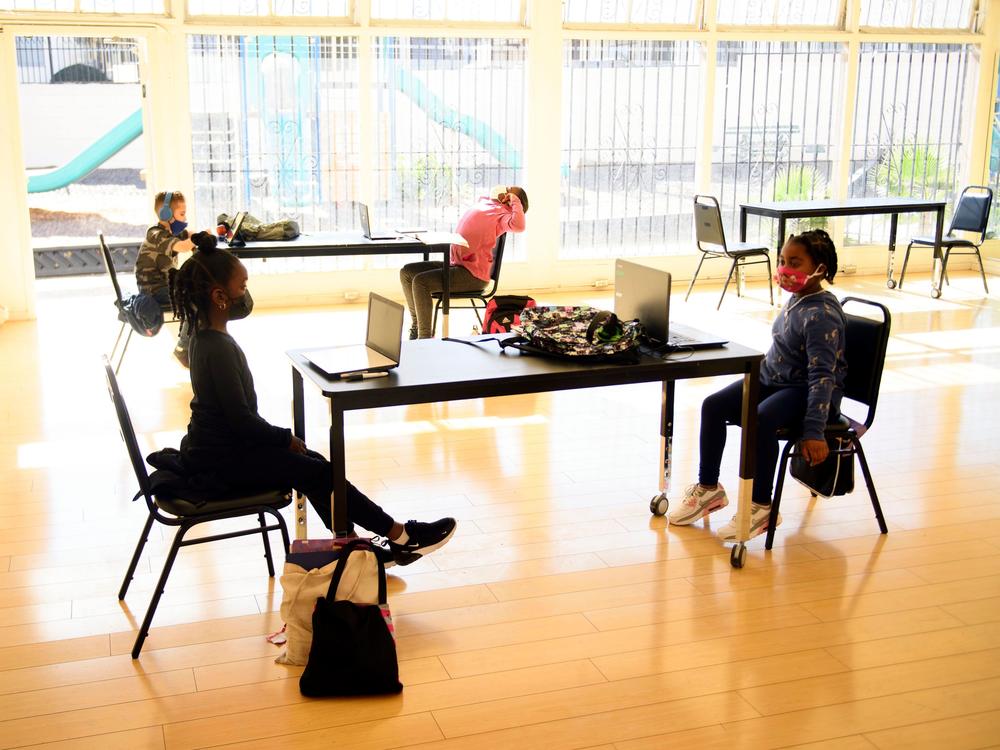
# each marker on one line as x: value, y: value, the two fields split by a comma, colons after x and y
x: 301, y: 588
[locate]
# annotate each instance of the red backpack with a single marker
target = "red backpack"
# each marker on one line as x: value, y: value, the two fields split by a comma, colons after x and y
x: 504, y: 311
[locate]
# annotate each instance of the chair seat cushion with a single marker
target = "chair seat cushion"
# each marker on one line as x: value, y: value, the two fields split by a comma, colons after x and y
x: 839, y: 425
x: 461, y: 295
x: 179, y: 506
x: 949, y: 240
x: 746, y: 248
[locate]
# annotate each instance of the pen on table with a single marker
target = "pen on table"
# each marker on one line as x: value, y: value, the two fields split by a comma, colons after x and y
x: 365, y: 375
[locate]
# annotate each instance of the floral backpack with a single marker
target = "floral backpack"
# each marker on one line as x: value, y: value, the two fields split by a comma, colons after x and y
x: 578, y: 333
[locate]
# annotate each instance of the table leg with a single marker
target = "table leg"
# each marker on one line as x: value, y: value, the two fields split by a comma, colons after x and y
x: 938, y: 263
x: 660, y: 503
x: 338, y: 494
x: 743, y: 224
x: 893, y: 222
x: 299, y: 430
x: 446, y: 292
x: 748, y: 458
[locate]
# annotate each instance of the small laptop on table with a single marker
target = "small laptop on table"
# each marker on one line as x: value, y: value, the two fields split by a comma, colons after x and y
x: 380, y: 353
x: 366, y: 227
x: 643, y: 293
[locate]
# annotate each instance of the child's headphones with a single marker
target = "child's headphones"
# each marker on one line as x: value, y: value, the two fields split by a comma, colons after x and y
x: 166, y: 213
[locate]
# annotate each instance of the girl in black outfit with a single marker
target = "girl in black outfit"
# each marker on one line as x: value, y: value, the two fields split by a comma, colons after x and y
x: 226, y: 435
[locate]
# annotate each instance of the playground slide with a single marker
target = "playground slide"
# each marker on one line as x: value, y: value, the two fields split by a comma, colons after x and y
x: 91, y: 158
x: 440, y: 113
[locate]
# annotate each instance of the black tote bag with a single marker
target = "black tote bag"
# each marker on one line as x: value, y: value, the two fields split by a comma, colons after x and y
x: 833, y: 477
x: 353, y: 648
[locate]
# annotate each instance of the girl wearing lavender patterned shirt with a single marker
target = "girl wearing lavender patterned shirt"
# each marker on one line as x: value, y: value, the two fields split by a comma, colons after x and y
x: 802, y: 381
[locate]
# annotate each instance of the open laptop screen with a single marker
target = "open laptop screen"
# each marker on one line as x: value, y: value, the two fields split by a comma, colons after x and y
x: 643, y: 293
x: 385, y: 326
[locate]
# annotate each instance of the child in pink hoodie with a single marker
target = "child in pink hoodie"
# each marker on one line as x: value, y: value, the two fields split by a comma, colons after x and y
x: 470, y: 269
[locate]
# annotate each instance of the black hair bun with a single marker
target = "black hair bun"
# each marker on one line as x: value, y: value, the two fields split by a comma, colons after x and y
x: 205, y: 242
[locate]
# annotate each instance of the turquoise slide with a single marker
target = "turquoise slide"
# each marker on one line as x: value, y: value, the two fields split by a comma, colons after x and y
x: 498, y: 147
x: 91, y: 158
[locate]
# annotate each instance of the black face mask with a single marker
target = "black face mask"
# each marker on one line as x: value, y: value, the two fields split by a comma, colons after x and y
x: 240, y: 307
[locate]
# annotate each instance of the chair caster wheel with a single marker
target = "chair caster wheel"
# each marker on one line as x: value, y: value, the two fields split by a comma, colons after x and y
x: 659, y: 505
x: 891, y: 283
x: 738, y: 555
x: 936, y: 293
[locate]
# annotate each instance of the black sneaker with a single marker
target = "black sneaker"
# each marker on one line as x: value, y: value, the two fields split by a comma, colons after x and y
x: 423, y: 539
x: 414, y: 333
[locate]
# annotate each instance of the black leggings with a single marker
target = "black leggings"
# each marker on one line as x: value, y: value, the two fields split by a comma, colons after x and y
x: 309, y: 473
x: 779, y: 408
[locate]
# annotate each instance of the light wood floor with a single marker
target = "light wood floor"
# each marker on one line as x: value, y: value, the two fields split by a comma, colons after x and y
x: 562, y: 615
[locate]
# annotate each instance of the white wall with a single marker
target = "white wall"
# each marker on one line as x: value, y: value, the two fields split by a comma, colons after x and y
x: 58, y: 122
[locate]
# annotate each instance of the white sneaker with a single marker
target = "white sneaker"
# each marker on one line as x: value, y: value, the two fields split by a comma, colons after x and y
x: 759, y: 515
x: 697, y: 502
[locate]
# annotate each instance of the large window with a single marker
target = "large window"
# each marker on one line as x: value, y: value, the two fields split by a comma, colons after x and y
x: 86, y: 6
x: 274, y: 123
x: 653, y: 12
x: 497, y: 11
x: 776, y: 118
x: 917, y: 14
x: 630, y: 131
x: 281, y: 8
x: 449, y: 124
x: 910, y: 128
x: 779, y: 13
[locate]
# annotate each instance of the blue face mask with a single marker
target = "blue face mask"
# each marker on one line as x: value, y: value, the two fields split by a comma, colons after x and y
x: 177, y: 227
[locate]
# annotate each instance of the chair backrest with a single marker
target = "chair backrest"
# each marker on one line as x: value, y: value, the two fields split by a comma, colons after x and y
x: 972, y: 214
x: 708, y: 223
x: 128, y: 433
x: 866, y: 341
x: 109, y: 266
x: 498, y: 257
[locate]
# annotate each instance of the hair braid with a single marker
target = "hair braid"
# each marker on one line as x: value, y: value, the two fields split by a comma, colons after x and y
x: 820, y: 248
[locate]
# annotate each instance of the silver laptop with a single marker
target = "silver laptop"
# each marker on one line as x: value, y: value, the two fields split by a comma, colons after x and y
x: 366, y: 227
x: 382, y: 344
x: 643, y: 293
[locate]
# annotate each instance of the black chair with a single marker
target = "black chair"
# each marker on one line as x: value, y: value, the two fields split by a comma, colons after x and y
x: 187, y: 514
x: 109, y: 266
x: 865, y: 344
x: 483, y: 296
x: 972, y: 214
x: 709, y: 231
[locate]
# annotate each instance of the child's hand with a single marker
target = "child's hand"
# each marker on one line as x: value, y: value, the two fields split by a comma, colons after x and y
x: 183, y: 246
x: 297, y: 445
x: 815, y: 451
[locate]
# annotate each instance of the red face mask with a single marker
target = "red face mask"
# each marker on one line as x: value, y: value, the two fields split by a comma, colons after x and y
x: 793, y: 280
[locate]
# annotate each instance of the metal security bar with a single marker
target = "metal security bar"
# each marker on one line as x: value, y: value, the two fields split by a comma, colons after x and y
x: 495, y: 11
x: 776, y: 111
x: 275, y: 131
x: 630, y: 131
x: 655, y: 12
x: 47, y: 59
x: 449, y: 124
x: 909, y: 128
x: 917, y: 14
x: 780, y: 12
